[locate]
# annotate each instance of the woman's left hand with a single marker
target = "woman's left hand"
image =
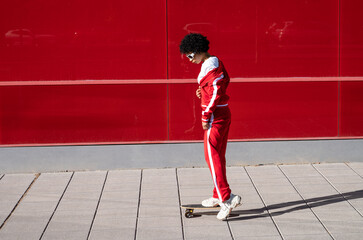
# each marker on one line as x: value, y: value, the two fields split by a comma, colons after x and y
x: 205, y: 125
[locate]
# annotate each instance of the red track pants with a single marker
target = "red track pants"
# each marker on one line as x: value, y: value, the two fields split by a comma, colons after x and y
x: 215, y: 145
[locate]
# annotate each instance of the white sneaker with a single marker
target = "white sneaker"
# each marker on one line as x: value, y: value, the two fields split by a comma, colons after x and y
x: 210, y: 202
x: 227, y: 206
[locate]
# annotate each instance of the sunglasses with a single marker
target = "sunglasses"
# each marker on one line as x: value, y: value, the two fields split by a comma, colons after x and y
x: 191, y: 56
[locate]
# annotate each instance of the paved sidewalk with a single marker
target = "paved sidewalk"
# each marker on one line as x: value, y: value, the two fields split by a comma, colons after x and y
x: 310, y: 201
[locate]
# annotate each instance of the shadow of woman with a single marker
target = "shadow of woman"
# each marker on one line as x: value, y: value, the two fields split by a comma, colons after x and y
x: 295, y: 206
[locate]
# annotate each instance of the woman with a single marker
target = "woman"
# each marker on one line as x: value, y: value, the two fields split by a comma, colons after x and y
x: 213, y: 81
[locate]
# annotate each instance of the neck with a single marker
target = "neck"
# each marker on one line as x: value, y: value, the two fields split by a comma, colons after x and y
x: 205, y: 56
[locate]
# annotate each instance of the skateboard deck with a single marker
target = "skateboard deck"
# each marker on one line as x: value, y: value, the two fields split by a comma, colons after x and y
x: 189, y: 209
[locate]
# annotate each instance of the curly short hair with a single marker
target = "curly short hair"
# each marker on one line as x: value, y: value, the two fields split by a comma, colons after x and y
x: 194, y: 42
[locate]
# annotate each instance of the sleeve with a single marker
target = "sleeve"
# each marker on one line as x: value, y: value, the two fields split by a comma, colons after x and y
x: 215, y: 91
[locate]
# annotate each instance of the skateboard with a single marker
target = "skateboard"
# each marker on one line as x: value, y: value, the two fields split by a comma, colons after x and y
x: 189, y: 209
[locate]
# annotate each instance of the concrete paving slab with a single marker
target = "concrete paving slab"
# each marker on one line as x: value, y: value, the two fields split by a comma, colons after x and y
x: 306, y: 171
x: 159, y: 206
x: 330, y: 204
x: 340, y: 227
x: 241, y: 187
x: 238, y: 175
x: 74, y: 222
x: 259, y: 238
x: 207, y: 232
x: 281, y: 199
x: 68, y: 234
x: 161, y: 211
x: 123, y: 187
x: 253, y: 227
x: 349, y: 189
x: 299, y: 179
x: 248, y: 194
x: 35, y: 210
x: 357, y: 167
x: 112, y: 234
x: 191, y: 200
x: 288, y: 208
x: 302, y: 170
x: 347, y: 235
x: 281, y: 189
x: 159, y: 228
x: 194, y: 176
x: 159, y: 176
x: 20, y: 236
x: 157, y: 184
x: 123, y: 180
x: 76, y: 210
x: 334, y: 169
x: 344, y: 179
x: 120, y: 212
x: 196, y: 192
x: 205, y: 220
x: 308, y: 237
x: 164, y: 233
x: 318, y: 195
x: 208, y: 185
x: 159, y: 193
x: 342, y: 215
x: 12, y: 188
x: 246, y: 190
x: 25, y: 223
x: 125, y: 212
x: 358, y: 205
x: 109, y: 221
x: 120, y: 198
x: 157, y: 221
x: 316, y: 190
x: 155, y: 202
x: 193, y: 172
x: 300, y: 224
x: 250, y: 209
x: 269, y: 181
x: 330, y: 165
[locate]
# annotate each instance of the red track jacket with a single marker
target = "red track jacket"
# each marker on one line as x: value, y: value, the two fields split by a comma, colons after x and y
x: 213, y: 89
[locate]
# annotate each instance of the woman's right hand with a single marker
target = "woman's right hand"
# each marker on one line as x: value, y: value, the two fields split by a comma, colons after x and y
x: 198, y: 92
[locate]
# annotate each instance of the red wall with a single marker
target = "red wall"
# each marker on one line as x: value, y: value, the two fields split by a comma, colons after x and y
x: 111, y: 72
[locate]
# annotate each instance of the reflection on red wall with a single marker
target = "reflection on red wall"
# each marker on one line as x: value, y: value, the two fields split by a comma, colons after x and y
x: 83, y: 113
x: 79, y: 39
x: 260, y: 38
x: 47, y: 46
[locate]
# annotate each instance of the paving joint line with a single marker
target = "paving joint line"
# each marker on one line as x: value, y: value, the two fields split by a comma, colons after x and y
x: 21, y: 198
x: 268, y: 211
x: 98, y: 204
x: 338, y: 191
x: 230, y: 229
x: 181, y: 214
x: 353, y: 169
x: 56, y: 207
x: 138, y: 205
x: 326, y: 229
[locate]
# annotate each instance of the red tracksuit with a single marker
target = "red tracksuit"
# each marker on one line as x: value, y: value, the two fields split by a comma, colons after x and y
x: 214, y: 81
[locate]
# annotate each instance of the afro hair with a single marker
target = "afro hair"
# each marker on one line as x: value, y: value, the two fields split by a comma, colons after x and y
x: 194, y: 42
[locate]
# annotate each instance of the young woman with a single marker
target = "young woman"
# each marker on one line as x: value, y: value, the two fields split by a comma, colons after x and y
x: 213, y: 81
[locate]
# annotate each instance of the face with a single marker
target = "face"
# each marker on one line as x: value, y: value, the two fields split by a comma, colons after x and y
x: 194, y: 57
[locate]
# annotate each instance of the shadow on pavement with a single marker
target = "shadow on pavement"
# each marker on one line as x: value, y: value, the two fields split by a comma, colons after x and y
x: 295, y: 205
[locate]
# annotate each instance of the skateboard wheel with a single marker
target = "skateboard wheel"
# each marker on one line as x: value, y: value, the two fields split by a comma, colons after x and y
x: 189, y: 213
